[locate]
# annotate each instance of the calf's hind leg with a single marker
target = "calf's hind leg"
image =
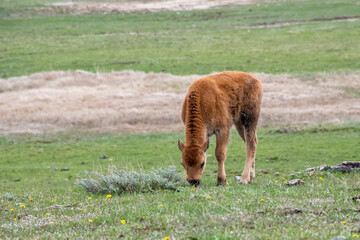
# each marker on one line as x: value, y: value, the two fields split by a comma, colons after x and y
x: 249, y: 122
x: 248, y: 174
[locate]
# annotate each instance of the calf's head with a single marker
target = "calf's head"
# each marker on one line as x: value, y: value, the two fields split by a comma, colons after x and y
x: 193, y: 160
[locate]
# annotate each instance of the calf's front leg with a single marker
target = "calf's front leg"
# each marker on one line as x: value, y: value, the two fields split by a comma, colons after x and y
x: 222, y: 139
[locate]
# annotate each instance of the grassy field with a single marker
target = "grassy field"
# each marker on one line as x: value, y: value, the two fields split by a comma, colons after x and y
x: 320, y: 209
x: 36, y: 156
x: 182, y: 43
x: 39, y: 201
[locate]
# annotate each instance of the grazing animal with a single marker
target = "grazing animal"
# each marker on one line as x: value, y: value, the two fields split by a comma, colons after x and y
x: 212, y: 105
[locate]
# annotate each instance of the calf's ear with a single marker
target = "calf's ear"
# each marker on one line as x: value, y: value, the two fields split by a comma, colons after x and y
x: 206, y: 145
x: 181, y: 145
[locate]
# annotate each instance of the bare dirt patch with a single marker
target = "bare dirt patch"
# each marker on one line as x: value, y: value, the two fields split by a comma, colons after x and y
x: 136, y: 102
x: 150, y: 6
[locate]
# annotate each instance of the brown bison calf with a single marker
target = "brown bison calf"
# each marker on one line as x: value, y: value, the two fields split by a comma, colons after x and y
x: 212, y: 105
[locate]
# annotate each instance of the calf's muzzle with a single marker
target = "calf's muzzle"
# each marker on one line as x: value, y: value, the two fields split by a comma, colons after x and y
x: 194, y: 182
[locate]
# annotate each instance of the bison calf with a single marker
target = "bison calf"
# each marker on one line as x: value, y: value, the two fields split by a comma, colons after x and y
x: 212, y: 105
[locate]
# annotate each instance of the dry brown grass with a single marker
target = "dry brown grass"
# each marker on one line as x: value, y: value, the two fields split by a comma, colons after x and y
x: 136, y: 102
x: 71, y: 7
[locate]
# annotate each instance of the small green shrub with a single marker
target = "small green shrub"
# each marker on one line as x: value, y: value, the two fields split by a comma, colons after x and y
x: 9, y: 197
x: 121, y: 181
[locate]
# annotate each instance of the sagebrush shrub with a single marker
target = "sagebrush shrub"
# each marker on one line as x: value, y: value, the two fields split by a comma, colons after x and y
x: 120, y: 181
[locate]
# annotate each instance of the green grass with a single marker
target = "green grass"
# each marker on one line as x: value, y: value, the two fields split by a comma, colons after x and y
x: 180, y: 43
x: 232, y: 212
x: 26, y: 163
x: 185, y: 43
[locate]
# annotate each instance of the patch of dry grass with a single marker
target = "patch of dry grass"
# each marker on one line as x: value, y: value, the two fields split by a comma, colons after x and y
x: 140, y: 6
x: 136, y: 102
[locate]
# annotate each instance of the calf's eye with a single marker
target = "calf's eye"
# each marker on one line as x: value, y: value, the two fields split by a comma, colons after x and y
x: 202, y: 165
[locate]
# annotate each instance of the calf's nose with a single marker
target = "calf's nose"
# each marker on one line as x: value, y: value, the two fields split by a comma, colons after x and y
x: 194, y: 182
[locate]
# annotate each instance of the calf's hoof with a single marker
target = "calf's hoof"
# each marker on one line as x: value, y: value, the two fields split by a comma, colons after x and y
x: 245, y: 180
x: 251, y: 179
x: 252, y: 176
x: 221, y: 182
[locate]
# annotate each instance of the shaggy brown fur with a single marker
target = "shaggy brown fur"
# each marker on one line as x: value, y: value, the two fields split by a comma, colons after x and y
x: 213, y: 104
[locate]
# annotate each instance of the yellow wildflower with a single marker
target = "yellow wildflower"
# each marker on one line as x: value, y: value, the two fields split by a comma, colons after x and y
x: 8, y: 202
x: 355, y: 236
x: 122, y: 221
x: 51, y: 222
x: 12, y: 209
x: 15, y: 219
x: 80, y: 209
x: 30, y: 199
x: 347, y: 215
x: 166, y: 238
x: 52, y: 201
x: 47, y: 214
x: 320, y: 178
x: 160, y: 205
x: 276, y: 181
x: 192, y: 189
x: 344, y: 222
x: 23, y: 206
x: 261, y: 200
x: 90, y: 221
x: 89, y: 198
x: 208, y: 196
x: 108, y: 196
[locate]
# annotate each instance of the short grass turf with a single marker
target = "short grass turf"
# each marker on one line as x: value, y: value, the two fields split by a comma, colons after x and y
x: 182, y: 43
x: 322, y: 208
